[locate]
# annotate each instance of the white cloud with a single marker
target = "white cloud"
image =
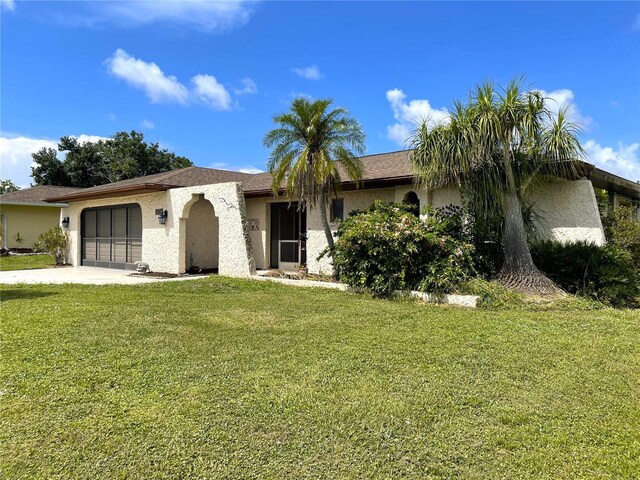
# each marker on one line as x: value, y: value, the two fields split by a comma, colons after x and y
x: 112, y: 117
x: 564, y: 97
x: 207, y: 15
x: 623, y: 161
x: 15, y: 155
x: 8, y: 5
x: 147, y: 77
x: 248, y: 87
x: 226, y: 166
x: 250, y: 170
x: 208, y: 90
x: 409, y: 115
x: 148, y: 124
x: 310, y: 73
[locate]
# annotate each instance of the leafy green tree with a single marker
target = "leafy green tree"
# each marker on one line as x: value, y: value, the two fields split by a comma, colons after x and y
x: 127, y: 155
x: 7, y: 186
x: 48, y: 169
x: 123, y: 156
x: 309, y: 143
x: 496, y: 146
x: 84, y: 163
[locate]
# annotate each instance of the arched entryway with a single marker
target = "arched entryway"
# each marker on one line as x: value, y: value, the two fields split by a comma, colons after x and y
x: 201, y: 236
x: 411, y: 199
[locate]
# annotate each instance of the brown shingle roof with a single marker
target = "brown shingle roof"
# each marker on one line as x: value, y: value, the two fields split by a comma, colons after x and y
x: 375, y: 168
x: 185, y: 177
x: 381, y: 167
x: 36, y: 195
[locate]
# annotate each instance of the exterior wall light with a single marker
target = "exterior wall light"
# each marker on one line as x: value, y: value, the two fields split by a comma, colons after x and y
x: 162, y: 216
x: 65, y: 222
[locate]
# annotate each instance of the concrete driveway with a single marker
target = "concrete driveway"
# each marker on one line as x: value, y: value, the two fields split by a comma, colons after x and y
x: 84, y: 275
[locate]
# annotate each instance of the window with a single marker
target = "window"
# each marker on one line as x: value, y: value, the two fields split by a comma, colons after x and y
x: 337, y: 209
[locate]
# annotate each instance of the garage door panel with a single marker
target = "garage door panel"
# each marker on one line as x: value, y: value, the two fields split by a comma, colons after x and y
x: 104, y: 223
x: 104, y: 249
x: 89, y: 224
x: 112, y: 236
x: 89, y: 247
x: 119, y: 252
x: 134, y: 251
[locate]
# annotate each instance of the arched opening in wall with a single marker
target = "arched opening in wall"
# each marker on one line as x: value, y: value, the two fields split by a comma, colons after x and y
x: 411, y: 199
x: 201, y: 238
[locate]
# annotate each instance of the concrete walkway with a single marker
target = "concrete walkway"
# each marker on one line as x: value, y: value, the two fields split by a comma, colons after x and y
x: 83, y: 275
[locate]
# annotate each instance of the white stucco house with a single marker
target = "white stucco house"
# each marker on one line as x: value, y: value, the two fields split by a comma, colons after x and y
x: 232, y: 223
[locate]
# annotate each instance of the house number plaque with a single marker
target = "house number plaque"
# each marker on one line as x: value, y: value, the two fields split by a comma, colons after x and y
x: 254, y: 224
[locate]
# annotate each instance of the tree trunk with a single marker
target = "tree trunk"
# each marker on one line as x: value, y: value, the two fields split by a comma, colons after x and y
x: 518, y: 270
x: 325, y: 221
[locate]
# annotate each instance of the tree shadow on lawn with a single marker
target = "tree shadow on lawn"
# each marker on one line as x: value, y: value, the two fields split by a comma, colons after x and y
x: 22, y: 294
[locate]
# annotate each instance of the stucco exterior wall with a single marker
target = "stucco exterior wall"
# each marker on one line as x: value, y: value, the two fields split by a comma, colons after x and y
x: 258, y: 214
x: 29, y: 221
x: 148, y: 203
x: 164, y: 246
x: 569, y: 212
x: 443, y: 197
x: 569, y: 209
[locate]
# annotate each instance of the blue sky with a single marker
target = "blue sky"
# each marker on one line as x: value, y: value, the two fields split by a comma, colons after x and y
x: 205, y: 78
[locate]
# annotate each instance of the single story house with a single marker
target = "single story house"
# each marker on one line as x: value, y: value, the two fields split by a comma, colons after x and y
x: 26, y: 213
x: 232, y: 222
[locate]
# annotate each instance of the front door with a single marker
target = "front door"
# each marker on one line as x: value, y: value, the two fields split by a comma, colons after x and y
x: 288, y: 236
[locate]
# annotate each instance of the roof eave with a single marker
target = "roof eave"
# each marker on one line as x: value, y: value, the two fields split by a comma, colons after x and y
x: 34, y: 204
x: 138, y: 189
x: 612, y: 182
x: 385, y: 182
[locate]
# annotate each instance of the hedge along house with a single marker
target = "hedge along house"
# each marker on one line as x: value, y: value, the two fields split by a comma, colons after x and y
x: 232, y: 222
x: 27, y: 214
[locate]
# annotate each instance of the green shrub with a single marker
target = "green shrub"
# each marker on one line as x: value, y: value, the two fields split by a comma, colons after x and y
x: 56, y: 243
x: 387, y: 248
x: 622, y: 228
x: 605, y: 273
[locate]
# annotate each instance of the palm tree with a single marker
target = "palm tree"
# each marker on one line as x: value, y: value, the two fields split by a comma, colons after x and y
x: 495, y: 147
x: 309, y: 143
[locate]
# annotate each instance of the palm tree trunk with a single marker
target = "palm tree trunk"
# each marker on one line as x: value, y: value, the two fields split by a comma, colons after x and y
x: 325, y: 221
x: 518, y: 271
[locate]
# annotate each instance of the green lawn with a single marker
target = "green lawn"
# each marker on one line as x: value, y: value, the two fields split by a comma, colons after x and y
x: 26, y: 262
x: 220, y: 378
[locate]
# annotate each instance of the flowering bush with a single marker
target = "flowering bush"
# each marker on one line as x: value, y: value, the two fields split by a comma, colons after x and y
x: 387, y: 248
x: 56, y: 243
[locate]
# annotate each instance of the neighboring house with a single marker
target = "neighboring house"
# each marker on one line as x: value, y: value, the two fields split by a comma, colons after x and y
x: 622, y: 192
x: 231, y: 221
x: 27, y: 213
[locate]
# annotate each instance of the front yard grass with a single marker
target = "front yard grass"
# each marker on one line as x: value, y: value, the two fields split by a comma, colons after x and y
x: 221, y: 378
x: 26, y: 262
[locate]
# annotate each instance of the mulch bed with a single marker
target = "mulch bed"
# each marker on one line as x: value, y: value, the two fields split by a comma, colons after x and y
x: 155, y: 275
x: 313, y: 277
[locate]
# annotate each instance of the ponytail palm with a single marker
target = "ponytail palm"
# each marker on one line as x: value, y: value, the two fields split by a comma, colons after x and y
x: 308, y: 144
x: 495, y: 146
